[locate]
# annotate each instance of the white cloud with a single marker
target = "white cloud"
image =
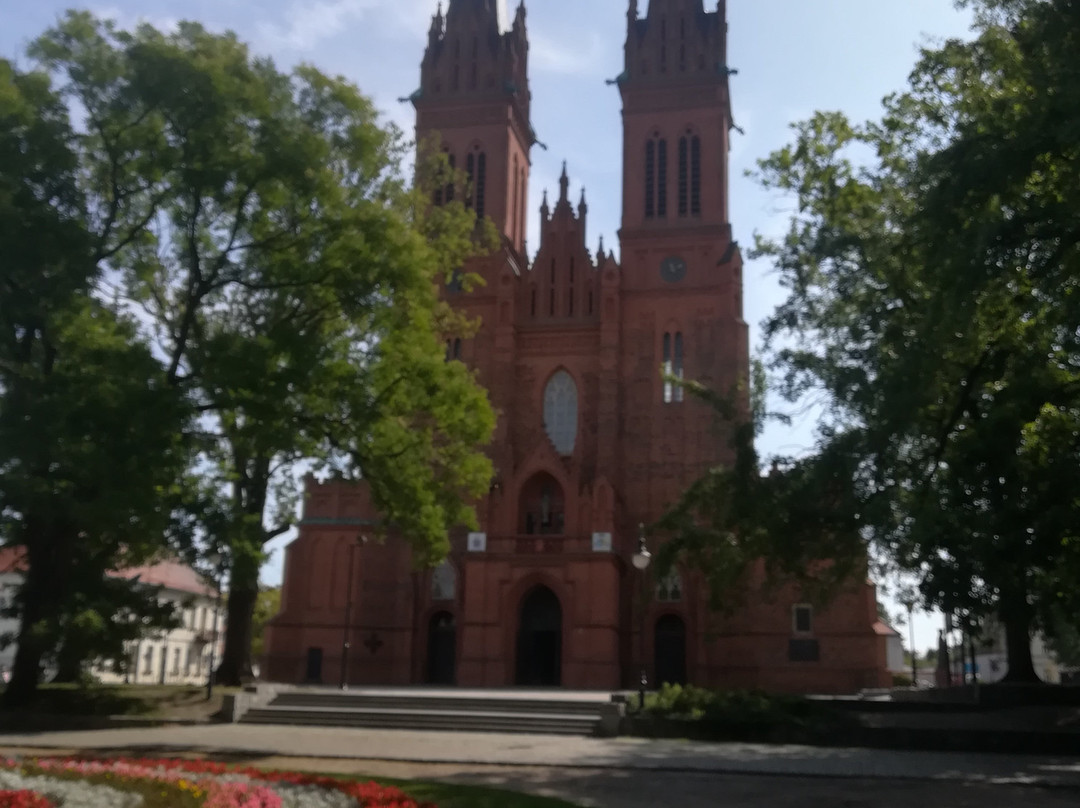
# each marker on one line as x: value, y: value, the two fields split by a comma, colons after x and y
x: 127, y: 21
x: 307, y: 23
x: 566, y: 56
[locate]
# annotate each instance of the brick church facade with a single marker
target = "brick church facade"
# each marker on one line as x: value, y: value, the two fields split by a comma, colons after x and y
x: 590, y: 440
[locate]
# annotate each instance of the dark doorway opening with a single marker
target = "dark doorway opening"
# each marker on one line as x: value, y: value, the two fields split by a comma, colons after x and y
x: 442, y: 650
x: 314, y: 666
x: 539, y: 642
x: 670, y: 650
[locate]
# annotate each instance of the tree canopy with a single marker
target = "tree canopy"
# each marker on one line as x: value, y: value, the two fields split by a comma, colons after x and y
x: 253, y: 243
x: 932, y: 271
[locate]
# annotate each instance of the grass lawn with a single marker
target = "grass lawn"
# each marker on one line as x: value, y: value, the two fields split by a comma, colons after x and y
x: 454, y: 796
x: 147, y: 701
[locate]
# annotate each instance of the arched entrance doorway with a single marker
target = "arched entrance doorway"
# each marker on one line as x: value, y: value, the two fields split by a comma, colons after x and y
x: 442, y: 650
x: 669, y: 648
x: 539, y: 641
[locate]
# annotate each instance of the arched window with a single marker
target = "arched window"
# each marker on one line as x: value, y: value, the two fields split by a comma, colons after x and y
x: 524, y: 205
x: 669, y: 589
x: 457, y: 349
x: 668, y: 386
x: 661, y: 179
x: 673, y: 367
x: 470, y: 174
x: 444, y: 582
x: 481, y: 184
x: 650, y: 179
x: 680, y: 393
x: 695, y: 176
x: 514, y: 220
x: 684, y: 179
x: 561, y: 412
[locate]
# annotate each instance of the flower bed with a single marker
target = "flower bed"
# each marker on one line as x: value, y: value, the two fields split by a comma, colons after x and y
x: 142, y: 783
x: 23, y: 799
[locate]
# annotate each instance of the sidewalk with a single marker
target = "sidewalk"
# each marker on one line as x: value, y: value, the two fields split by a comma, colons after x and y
x: 620, y: 754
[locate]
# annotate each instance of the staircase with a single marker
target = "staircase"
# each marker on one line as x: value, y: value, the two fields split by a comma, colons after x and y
x: 443, y: 710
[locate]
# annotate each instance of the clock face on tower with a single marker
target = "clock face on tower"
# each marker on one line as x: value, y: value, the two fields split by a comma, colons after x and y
x: 673, y: 269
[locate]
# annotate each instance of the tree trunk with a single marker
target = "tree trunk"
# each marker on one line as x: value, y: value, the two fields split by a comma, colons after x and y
x: 1018, y: 649
x: 235, y: 665
x: 35, y: 634
x: 69, y: 665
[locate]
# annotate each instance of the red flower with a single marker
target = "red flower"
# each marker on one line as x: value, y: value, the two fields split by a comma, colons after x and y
x: 23, y: 799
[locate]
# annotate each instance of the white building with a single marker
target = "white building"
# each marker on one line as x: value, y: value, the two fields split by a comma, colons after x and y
x: 992, y: 663
x: 10, y: 578
x: 179, y: 656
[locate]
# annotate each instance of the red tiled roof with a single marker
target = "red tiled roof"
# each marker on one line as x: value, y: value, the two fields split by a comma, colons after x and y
x: 170, y: 574
x: 885, y: 630
x: 12, y: 559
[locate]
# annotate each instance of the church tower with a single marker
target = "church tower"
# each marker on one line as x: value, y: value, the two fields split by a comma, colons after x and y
x: 681, y: 270
x: 474, y: 101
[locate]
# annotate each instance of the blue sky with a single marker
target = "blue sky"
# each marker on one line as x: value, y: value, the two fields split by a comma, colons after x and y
x: 793, y: 57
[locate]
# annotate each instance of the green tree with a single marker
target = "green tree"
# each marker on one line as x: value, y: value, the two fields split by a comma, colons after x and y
x: 89, y: 443
x: 291, y: 277
x: 932, y: 273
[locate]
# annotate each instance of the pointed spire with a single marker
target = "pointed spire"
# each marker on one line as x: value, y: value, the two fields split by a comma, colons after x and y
x: 600, y: 249
x: 582, y: 207
x: 437, y: 24
x: 632, y: 13
x: 545, y: 211
x: 564, y: 185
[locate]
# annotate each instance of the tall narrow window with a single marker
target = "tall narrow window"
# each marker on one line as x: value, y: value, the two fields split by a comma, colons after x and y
x: 650, y: 179
x: 684, y: 168
x: 661, y: 179
x: 514, y: 221
x: 695, y: 175
x: 561, y: 412
x: 524, y: 205
x: 470, y: 173
x: 457, y: 349
x: 669, y: 388
x: 450, y: 185
x: 473, y: 70
x: 481, y: 184
x: 680, y: 393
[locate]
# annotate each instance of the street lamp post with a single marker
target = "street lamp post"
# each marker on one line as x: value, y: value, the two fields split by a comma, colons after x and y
x: 215, y: 561
x: 641, y: 560
x: 345, y: 644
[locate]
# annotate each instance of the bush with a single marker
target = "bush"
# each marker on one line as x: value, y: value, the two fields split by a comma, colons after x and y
x: 900, y: 680
x: 737, y: 710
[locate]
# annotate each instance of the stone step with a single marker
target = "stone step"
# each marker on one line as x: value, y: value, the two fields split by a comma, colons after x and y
x: 448, y: 721
x: 436, y: 704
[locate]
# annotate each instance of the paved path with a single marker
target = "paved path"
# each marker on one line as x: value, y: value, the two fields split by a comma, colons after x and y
x: 541, y: 751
